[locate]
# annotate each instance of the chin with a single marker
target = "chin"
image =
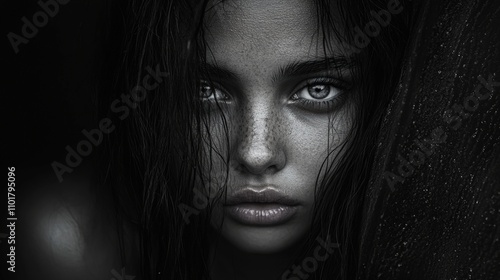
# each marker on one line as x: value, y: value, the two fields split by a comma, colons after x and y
x: 263, y: 240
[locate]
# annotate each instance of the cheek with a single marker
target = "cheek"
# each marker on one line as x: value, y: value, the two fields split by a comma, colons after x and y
x: 213, y: 138
x: 212, y: 165
x: 313, y: 142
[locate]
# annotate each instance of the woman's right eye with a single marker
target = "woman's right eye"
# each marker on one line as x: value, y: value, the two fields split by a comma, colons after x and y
x: 208, y: 92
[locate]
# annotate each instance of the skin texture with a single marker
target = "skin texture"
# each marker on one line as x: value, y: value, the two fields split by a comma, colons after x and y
x: 273, y: 139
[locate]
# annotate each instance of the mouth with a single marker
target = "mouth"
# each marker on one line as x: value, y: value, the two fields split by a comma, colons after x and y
x: 263, y: 207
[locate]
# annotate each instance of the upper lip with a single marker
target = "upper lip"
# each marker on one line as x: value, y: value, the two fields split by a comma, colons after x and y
x: 266, y: 194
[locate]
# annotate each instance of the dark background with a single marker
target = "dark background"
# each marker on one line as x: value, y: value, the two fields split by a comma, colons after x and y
x: 50, y: 88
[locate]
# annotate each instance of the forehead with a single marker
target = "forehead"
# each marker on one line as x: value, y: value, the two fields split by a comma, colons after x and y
x: 269, y: 17
x: 262, y: 33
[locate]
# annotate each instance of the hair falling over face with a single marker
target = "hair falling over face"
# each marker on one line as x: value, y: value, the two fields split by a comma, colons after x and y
x: 276, y: 130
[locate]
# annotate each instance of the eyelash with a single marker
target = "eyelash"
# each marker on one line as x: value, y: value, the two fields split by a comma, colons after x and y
x: 335, y: 84
x: 319, y: 105
x: 215, y: 87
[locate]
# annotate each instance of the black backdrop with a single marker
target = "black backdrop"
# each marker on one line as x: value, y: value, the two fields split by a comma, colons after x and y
x: 48, y: 89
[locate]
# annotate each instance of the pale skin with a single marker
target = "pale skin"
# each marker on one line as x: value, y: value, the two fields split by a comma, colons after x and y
x: 285, y: 111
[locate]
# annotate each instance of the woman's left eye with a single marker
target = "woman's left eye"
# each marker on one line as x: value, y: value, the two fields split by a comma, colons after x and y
x: 319, y: 94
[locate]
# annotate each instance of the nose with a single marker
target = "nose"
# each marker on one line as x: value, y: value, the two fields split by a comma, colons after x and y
x: 258, y: 149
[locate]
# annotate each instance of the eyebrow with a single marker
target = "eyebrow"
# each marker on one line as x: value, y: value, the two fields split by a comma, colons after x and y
x: 214, y: 71
x: 295, y: 68
x: 302, y: 68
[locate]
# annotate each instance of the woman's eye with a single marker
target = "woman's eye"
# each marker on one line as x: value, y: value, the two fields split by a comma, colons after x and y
x: 212, y: 93
x: 319, y: 95
x: 321, y: 92
x: 317, y: 92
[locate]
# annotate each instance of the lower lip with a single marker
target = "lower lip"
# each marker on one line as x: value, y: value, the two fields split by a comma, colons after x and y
x: 261, y: 214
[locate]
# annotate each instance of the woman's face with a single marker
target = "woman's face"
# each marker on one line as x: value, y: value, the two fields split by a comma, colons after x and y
x: 285, y: 111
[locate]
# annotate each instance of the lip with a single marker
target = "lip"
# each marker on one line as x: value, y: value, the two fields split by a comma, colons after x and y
x: 263, y: 207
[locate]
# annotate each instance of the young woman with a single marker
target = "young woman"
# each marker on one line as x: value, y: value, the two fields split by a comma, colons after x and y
x: 251, y: 157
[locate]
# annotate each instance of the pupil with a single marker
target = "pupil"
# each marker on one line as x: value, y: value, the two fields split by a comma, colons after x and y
x: 206, y: 91
x: 319, y: 91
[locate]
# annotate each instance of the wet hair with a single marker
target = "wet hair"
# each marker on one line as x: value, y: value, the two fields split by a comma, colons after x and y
x: 152, y: 160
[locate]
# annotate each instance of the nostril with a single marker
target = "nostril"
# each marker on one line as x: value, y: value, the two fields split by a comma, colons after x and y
x: 260, y: 160
x: 256, y: 170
